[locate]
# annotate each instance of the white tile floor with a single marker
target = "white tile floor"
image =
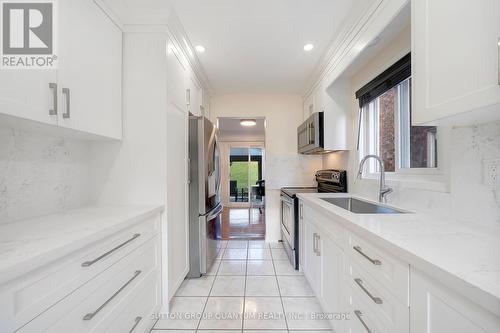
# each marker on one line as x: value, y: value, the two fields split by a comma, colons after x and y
x: 251, y: 287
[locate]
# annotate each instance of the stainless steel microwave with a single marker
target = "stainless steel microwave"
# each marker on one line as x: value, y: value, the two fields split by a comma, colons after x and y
x: 310, y: 136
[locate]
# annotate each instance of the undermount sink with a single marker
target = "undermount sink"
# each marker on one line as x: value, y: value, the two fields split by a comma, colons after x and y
x: 358, y: 206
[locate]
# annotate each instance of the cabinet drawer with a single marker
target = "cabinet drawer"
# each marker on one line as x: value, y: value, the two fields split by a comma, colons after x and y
x: 390, y: 272
x: 362, y: 318
x: 138, y: 312
x: 45, y: 287
x: 393, y: 313
x: 90, y: 306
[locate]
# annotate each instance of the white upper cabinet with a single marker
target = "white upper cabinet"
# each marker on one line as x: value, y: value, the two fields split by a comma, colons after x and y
x: 89, y: 70
x: 309, y: 106
x: 455, y: 57
x: 195, y: 96
x: 84, y: 92
x: 176, y: 74
x: 334, y: 101
x: 29, y: 94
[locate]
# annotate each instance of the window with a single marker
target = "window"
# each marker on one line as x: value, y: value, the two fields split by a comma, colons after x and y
x: 385, y: 124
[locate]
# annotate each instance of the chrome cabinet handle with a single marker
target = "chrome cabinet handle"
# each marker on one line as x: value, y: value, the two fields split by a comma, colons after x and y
x: 359, y: 314
x: 377, y: 300
x: 314, y: 243
x: 66, y: 93
x: 373, y: 261
x: 91, y: 315
x: 188, y: 97
x: 498, y: 46
x: 137, y: 321
x: 91, y: 262
x: 53, y: 111
x: 318, y: 238
x: 301, y: 209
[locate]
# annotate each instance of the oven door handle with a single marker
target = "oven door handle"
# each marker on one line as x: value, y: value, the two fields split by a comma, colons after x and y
x: 286, y: 199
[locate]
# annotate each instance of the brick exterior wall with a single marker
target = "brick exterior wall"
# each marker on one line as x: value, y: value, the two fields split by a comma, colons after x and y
x: 387, y: 145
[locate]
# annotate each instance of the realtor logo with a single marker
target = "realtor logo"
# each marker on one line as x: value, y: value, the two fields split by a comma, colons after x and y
x: 28, y: 32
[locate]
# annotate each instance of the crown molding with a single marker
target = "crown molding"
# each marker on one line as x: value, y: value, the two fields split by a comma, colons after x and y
x: 340, y: 46
x: 164, y: 20
x: 178, y: 34
x: 109, y: 13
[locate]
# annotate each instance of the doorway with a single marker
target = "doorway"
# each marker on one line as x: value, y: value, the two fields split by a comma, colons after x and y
x: 243, y: 177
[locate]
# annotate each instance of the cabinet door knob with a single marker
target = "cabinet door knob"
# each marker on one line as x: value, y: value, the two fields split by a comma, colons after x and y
x: 66, y: 93
x: 53, y: 87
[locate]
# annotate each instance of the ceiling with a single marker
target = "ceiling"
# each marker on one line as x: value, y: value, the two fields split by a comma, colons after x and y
x: 252, y: 46
x: 257, y: 46
x: 232, y: 127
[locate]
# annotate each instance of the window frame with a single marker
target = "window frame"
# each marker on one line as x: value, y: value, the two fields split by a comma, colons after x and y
x: 369, y: 116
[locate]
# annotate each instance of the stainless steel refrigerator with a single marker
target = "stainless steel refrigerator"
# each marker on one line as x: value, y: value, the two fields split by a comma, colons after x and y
x: 205, y: 208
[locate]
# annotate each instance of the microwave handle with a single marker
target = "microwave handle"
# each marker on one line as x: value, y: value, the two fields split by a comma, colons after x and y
x: 311, y: 133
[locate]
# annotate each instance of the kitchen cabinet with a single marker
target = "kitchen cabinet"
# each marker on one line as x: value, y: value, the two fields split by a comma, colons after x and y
x: 323, y: 264
x: 84, y: 92
x: 194, y: 96
x: 308, y: 106
x: 312, y: 259
x: 334, y: 102
x: 342, y: 282
x: 332, y: 279
x: 111, y: 278
x: 177, y: 168
x: 89, y: 74
x: 434, y: 308
x: 29, y: 94
x: 455, y: 57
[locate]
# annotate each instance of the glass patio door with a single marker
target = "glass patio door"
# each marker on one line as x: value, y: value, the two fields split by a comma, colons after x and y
x: 246, y: 169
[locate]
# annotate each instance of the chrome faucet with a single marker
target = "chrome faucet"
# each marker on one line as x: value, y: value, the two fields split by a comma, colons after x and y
x: 384, y: 189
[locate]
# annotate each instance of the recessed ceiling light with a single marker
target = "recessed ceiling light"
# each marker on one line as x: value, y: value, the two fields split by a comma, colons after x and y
x: 200, y: 48
x: 308, y: 47
x: 248, y: 122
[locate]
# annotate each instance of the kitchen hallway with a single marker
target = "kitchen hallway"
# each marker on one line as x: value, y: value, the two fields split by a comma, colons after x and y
x: 243, y: 223
x: 251, y: 287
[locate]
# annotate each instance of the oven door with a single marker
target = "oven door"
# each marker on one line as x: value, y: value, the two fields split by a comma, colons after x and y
x: 287, y: 219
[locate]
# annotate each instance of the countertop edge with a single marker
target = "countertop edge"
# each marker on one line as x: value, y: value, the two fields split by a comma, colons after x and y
x: 449, y: 280
x: 9, y: 274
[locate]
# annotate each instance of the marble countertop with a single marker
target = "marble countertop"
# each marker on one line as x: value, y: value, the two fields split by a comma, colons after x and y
x: 462, y: 256
x: 28, y: 244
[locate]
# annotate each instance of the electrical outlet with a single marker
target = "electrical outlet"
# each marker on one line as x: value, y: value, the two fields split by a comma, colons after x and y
x: 491, y: 172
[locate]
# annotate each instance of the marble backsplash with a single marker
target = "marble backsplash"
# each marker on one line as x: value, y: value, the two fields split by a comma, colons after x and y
x: 41, y: 174
x: 468, y: 198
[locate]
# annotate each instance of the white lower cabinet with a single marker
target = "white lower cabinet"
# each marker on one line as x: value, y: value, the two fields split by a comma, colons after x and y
x: 332, y: 296
x: 380, y: 293
x: 436, y: 309
x: 113, y: 286
x: 312, y: 258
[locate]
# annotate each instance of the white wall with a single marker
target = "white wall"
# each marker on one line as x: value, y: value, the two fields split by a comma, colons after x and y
x: 41, y: 174
x: 133, y: 171
x: 284, y: 166
x: 459, y: 194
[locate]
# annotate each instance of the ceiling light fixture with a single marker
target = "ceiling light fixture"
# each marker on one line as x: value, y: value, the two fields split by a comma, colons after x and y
x: 308, y: 47
x: 200, y: 48
x: 248, y: 122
